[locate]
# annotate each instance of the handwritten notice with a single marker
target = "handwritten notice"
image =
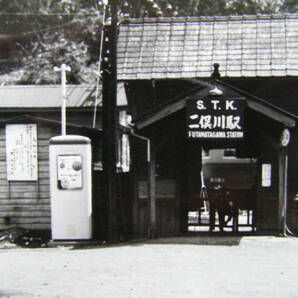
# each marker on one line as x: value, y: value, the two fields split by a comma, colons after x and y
x: 21, y: 152
x: 266, y: 175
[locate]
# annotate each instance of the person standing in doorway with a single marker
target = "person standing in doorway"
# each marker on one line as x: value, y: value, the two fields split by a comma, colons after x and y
x: 217, y: 203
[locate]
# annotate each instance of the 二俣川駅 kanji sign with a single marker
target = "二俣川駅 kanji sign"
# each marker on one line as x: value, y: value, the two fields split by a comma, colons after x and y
x: 215, y: 118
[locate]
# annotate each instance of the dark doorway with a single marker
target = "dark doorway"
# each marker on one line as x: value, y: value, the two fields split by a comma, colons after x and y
x: 227, y: 198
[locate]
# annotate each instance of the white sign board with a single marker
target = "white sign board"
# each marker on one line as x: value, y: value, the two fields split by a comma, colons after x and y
x: 21, y: 152
x: 125, y: 153
x: 266, y: 175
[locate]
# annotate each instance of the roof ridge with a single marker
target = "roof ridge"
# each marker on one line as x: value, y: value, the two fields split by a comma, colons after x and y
x: 209, y: 18
x: 46, y: 86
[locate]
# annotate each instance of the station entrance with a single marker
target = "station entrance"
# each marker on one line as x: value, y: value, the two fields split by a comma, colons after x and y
x: 221, y: 184
x: 227, y: 198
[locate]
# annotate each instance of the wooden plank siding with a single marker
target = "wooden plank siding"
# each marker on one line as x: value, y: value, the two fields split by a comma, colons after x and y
x: 166, y: 211
x: 292, y: 211
x: 26, y: 204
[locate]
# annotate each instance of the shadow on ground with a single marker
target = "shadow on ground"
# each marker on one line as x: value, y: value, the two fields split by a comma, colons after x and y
x: 35, y: 239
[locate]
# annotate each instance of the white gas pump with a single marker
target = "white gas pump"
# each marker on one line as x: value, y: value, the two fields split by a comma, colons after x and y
x: 71, y: 187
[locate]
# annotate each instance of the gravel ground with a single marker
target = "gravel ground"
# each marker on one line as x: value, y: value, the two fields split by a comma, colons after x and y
x: 179, y: 267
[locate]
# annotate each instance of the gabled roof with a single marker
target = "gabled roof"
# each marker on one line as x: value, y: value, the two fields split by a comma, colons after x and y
x: 254, y: 103
x: 244, y: 46
x: 49, y: 96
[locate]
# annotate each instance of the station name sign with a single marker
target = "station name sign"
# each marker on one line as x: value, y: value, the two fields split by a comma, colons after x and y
x: 215, y: 118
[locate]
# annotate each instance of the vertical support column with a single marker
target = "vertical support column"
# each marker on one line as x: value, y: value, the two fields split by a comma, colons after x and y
x: 282, y: 190
x: 135, y: 188
x: 63, y: 69
x: 63, y: 109
x: 110, y: 121
x: 152, y: 232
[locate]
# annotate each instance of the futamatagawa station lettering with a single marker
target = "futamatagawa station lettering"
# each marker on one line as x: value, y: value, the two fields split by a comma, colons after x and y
x: 210, y: 118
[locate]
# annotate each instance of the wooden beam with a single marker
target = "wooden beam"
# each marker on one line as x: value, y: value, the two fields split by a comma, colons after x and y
x: 160, y: 114
x: 174, y: 107
x: 260, y: 105
x: 271, y: 113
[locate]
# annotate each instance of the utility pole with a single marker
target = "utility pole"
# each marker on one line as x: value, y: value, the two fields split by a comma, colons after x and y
x: 63, y: 69
x: 110, y: 121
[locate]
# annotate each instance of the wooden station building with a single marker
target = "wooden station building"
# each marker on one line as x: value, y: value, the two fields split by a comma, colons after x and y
x: 211, y: 83
x: 29, y: 116
x: 192, y: 85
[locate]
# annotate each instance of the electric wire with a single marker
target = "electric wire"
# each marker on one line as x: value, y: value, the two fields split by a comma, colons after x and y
x: 98, y: 73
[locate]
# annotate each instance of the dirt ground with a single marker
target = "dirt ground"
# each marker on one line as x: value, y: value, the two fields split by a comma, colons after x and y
x: 178, y: 267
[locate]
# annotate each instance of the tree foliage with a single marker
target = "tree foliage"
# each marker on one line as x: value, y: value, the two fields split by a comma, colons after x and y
x: 209, y: 7
x: 49, y: 35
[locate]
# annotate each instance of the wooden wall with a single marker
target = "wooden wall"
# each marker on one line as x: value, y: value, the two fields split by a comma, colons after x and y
x: 166, y: 209
x: 292, y: 211
x: 26, y: 204
x: 267, y: 197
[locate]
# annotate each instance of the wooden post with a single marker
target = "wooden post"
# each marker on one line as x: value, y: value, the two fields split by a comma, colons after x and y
x: 110, y: 122
x: 135, y: 188
x: 282, y: 190
x: 152, y: 232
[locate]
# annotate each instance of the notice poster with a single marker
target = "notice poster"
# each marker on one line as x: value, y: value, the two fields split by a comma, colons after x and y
x: 21, y: 152
x: 125, y: 153
x: 266, y: 175
x: 215, y: 118
x: 70, y: 172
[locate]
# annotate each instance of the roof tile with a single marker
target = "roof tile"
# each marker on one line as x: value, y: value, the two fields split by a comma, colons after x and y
x: 49, y: 96
x: 262, y: 45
